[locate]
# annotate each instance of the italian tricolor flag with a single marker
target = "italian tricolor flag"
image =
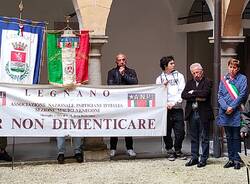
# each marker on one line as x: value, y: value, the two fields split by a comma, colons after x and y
x: 68, y: 58
x: 141, y: 103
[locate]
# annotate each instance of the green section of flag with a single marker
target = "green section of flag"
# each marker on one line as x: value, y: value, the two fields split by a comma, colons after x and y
x: 235, y: 89
x: 54, y: 59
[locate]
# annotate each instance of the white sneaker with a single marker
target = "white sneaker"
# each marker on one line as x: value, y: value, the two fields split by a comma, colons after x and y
x: 131, y: 153
x: 112, y: 153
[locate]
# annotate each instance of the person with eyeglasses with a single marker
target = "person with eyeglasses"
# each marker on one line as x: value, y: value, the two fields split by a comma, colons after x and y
x: 122, y: 75
x: 175, y: 83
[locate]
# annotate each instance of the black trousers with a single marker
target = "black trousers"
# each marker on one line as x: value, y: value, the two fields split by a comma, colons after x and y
x: 114, y: 140
x: 3, y: 143
x: 175, y: 121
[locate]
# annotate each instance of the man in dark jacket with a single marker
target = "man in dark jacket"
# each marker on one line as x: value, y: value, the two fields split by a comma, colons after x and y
x: 198, y: 113
x: 122, y: 75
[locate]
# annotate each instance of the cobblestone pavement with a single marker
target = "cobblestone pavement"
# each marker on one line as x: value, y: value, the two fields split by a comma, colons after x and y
x: 125, y: 171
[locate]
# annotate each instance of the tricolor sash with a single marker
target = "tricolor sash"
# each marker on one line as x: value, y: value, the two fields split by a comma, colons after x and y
x: 231, y: 88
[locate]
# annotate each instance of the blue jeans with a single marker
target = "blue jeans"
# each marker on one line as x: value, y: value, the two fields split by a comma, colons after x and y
x: 233, y: 142
x: 199, y: 130
x: 61, y: 145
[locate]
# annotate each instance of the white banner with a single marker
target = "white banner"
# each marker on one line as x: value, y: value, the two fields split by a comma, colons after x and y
x: 86, y: 111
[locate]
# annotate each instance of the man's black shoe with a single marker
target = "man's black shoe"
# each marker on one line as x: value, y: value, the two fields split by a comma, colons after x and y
x: 171, y: 155
x: 5, y: 156
x: 201, y: 164
x: 229, y: 164
x: 180, y: 155
x: 237, y: 165
x: 79, y: 157
x: 192, y: 162
x: 60, y: 159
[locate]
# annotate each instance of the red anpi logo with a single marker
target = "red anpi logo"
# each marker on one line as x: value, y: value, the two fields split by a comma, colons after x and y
x: 2, y: 98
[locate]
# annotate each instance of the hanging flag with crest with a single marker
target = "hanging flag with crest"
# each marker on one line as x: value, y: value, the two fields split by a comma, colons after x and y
x: 68, y: 57
x: 21, y: 44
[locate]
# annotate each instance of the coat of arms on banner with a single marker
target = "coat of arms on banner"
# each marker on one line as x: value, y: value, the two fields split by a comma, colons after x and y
x: 17, y: 68
x: 141, y: 100
x: 20, y: 50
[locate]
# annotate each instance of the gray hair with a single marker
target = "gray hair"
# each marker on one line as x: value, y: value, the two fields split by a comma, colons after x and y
x: 195, y: 65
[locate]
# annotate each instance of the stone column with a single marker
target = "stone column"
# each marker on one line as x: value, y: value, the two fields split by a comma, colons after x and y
x: 228, y: 49
x: 94, y: 148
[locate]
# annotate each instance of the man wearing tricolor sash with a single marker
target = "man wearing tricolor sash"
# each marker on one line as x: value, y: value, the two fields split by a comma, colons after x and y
x: 232, y: 93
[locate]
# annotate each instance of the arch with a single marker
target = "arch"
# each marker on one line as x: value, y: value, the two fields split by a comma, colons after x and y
x: 245, y: 12
x: 93, y: 15
x: 232, y: 20
x: 199, y: 12
x: 179, y: 8
x: 211, y: 7
x: 78, y: 13
x: 245, y: 5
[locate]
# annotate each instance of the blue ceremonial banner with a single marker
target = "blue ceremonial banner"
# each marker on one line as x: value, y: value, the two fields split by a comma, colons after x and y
x: 21, y: 43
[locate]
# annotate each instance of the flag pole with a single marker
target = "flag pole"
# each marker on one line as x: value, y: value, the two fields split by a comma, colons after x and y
x: 217, y: 139
x: 245, y: 149
x: 13, y: 152
x: 21, y: 7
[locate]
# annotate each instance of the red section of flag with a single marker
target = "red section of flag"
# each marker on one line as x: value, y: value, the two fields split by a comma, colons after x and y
x: 3, y: 101
x: 153, y: 103
x: 82, y: 58
x: 3, y: 98
x: 18, y: 56
x: 141, y: 103
x: 129, y: 103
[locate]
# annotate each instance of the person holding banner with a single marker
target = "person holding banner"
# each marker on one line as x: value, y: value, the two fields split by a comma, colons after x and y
x: 175, y: 83
x: 198, y: 113
x: 122, y: 75
x: 61, y: 149
x: 231, y: 95
x: 3, y: 154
